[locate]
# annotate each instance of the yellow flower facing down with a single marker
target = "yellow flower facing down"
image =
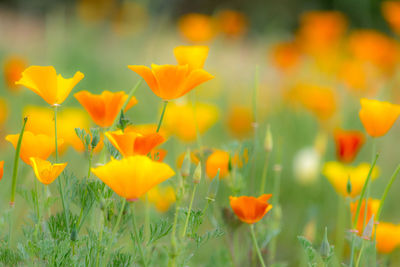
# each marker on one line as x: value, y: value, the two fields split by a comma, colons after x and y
x: 171, y: 81
x: 181, y: 119
x: 45, y: 82
x: 162, y: 197
x: 339, y: 174
x: 34, y: 145
x: 387, y: 237
x: 132, y: 177
x: 195, y: 56
x: 378, y: 116
x: 45, y: 171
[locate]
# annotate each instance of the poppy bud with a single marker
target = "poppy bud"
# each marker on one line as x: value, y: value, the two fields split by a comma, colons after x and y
x: 197, y: 174
x: 325, y: 247
x: 268, y: 142
x: 213, y: 189
x: 368, y: 229
x: 185, y: 169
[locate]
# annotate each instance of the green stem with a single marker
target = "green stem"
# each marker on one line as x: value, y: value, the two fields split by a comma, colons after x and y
x: 90, y: 162
x: 147, y: 219
x: 360, y: 254
x: 253, y: 236
x: 388, y: 186
x: 174, y: 252
x: 264, y: 174
x: 136, y: 232
x: 162, y: 115
x: 340, y: 229
x: 189, y: 210
x: 37, y: 208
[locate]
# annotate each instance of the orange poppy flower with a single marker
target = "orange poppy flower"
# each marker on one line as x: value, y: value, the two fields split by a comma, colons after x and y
x: 104, y: 108
x: 158, y: 154
x: 372, y: 209
x: 1, y: 169
x: 169, y: 81
x: 3, y: 111
x: 197, y: 28
x: 13, y: 68
x: 45, y: 171
x: 218, y: 160
x: 250, y: 209
x: 45, y: 82
x: 239, y: 121
x: 286, y: 56
x: 34, y: 145
x: 232, y: 23
x: 387, y: 237
x: 134, y: 176
x: 195, y: 56
x: 378, y: 116
x: 391, y: 13
x: 348, y: 143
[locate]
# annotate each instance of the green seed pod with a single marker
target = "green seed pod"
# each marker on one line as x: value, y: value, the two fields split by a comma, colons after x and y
x: 325, y: 247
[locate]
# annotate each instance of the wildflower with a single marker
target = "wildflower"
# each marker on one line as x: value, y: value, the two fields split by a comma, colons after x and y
x: 162, y: 197
x: 239, y: 121
x: 339, y: 175
x: 197, y: 28
x: 182, y: 119
x: 104, y: 108
x: 232, y: 23
x: 387, y: 237
x: 378, y: 116
x: 285, y: 56
x: 34, y: 145
x: 391, y: 12
x: 13, y: 68
x: 171, y: 81
x: 133, y: 176
x: 45, y: 82
x: 194, y: 56
x: 45, y: 171
x: 129, y: 142
x: 239, y: 159
x: 348, y: 143
x: 1, y: 169
x: 158, y: 154
x: 359, y: 77
x: 3, y: 111
x: 250, y: 209
x: 194, y: 158
x: 218, y: 160
x: 365, y: 214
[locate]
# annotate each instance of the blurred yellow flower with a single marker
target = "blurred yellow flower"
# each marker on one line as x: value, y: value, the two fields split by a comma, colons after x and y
x: 197, y: 28
x: 232, y: 23
x: 3, y: 111
x: 162, y: 197
x: 391, y: 13
x: 104, y: 108
x: 218, y: 160
x: 387, y: 237
x: 34, y: 145
x: 134, y: 176
x: 180, y: 119
x: 12, y: 70
x: 339, y: 175
x: 45, y: 171
x: 239, y: 121
x: 45, y: 82
x: 195, y: 56
x: 378, y: 116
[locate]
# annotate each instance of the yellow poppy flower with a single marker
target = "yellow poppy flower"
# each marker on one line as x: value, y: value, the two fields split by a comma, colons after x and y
x: 378, y: 116
x: 239, y: 121
x: 162, y: 197
x: 339, y: 174
x: 218, y: 160
x: 132, y: 177
x: 45, y: 171
x: 195, y: 56
x: 387, y: 237
x: 45, y: 82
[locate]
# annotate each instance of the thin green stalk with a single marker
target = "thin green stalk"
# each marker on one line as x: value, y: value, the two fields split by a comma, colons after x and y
x: 340, y: 229
x: 173, y: 254
x: 189, y: 211
x: 388, y: 186
x: 275, y: 201
x: 253, y: 236
x: 264, y: 173
x: 90, y: 163
x: 255, y: 125
x: 136, y: 232
x: 37, y: 209
x: 360, y: 254
x: 147, y: 219
x: 162, y: 115
x: 100, y: 240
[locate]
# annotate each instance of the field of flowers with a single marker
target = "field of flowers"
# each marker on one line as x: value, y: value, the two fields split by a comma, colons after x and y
x: 129, y: 139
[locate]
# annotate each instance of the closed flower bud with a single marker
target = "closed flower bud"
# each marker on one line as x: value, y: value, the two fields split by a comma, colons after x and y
x: 185, y: 169
x: 325, y: 247
x: 213, y: 189
x: 368, y: 229
x: 268, y: 142
x: 197, y: 174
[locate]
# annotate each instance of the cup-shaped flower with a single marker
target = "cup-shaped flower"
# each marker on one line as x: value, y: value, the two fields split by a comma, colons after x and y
x: 218, y: 160
x: 378, y: 116
x: 129, y: 142
x: 250, y: 209
x: 162, y: 197
x: 171, y: 81
x: 348, y: 143
x: 34, y: 145
x: 366, y: 213
x: 1, y: 169
x: 195, y: 56
x: 341, y: 175
x: 45, y: 171
x: 387, y: 237
x: 132, y: 177
x: 45, y: 82
x: 104, y: 108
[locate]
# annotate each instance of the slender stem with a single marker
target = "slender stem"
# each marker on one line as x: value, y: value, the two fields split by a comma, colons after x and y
x: 255, y: 125
x: 162, y: 115
x: 352, y: 247
x: 360, y: 254
x: 253, y: 236
x: 136, y: 232
x: 37, y: 209
x: 174, y: 252
x: 264, y: 173
x: 189, y: 210
x: 90, y: 162
x: 340, y: 229
x: 147, y: 219
x: 388, y: 186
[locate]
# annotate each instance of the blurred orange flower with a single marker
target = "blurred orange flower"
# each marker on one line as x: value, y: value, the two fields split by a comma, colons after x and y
x: 387, y: 237
x: 378, y: 116
x: 239, y: 121
x: 372, y: 209
x: 45, y: 171
x: 391, y: 13
x: 3, y: 111
x: 1, y: 169
x: 250, y: 209
x: 197, y: 28
x: 232, y: 23
x: 104, y: 108
x: 286, y: 55
x: 171, y: 81
x: 162, y: 197
x: 34, y: 145
x: 218, y: 160
x: 348, y: 143
x: 158, y: 154
x: 45, y: 82
x: 13, y: 68
x: 134, y: 176
x: 359, y: 76
x: 195, y: 56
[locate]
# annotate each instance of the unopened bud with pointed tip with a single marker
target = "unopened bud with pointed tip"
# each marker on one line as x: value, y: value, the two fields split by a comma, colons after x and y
x: 268, y: 142
x: 185, y: 168
x: 213, y: 189
x: 197, y: 174
x: 325, y: 248
x: 367, y: 233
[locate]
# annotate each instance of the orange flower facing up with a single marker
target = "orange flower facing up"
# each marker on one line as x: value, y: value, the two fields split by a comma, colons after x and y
x: 218, y: 160
x: 162, y: 197
x: 348, y: 143
x: 232, y: 23
x: 239, y: 121
x: 104, y: 108
x: 391, y: 13
x: 250, y: 209
x: 171, y: 81
x: 195, y: 56
x: 13, y: 68
x: 387, y: 237
x: 286, y: 56
x: 372, y: 209
x: 197, y: 28
x: 1, y: 169
x: 129, y: 142
x: 45, y: 82
x: 34, y: 145
x: 378, y: 116
x: 45, y: 171
x: 133, y: 176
